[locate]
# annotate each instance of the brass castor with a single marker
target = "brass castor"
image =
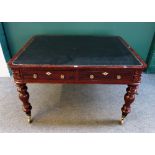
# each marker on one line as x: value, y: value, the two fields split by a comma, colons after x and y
x: 29, y: 119
x: 122, y: 121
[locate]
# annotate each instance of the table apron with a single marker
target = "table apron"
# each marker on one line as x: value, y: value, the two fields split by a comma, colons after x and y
x: 98, y: 76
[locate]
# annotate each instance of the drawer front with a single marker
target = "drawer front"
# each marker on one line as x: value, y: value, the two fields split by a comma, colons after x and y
x: 48, y: 75
x: 78, y: 76
x: 105, y: 76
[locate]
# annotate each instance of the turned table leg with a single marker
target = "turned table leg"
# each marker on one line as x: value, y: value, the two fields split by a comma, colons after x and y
x: 24, y: 97
x: 129, y: 99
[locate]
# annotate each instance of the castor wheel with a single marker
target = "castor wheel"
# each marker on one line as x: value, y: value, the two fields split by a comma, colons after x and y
x: 122, y: 121
x: 29, y: 119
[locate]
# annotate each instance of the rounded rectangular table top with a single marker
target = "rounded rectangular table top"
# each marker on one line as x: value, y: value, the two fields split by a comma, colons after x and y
x: 77, y: 50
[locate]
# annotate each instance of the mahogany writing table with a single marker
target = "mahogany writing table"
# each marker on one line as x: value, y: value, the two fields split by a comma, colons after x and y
x: 77, y: 60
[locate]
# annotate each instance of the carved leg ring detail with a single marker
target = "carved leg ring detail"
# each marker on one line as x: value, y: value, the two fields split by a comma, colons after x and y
x: 24, y: 97
x: 129, y: 99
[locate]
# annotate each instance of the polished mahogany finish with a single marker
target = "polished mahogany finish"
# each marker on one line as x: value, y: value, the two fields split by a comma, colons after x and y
x: 77, y: 60
x: 129, y: 98
x: 24, y: 97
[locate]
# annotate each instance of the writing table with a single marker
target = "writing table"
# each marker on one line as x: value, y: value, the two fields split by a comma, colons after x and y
x: 77, y: 60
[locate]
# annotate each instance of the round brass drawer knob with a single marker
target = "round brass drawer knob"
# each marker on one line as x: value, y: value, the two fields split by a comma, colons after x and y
x: 91, y: 76
x: 119, y: 77
x: 35, y: 76
x: 62, y: 76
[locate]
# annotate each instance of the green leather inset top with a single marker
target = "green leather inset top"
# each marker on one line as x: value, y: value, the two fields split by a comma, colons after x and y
x: 77, y: 50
